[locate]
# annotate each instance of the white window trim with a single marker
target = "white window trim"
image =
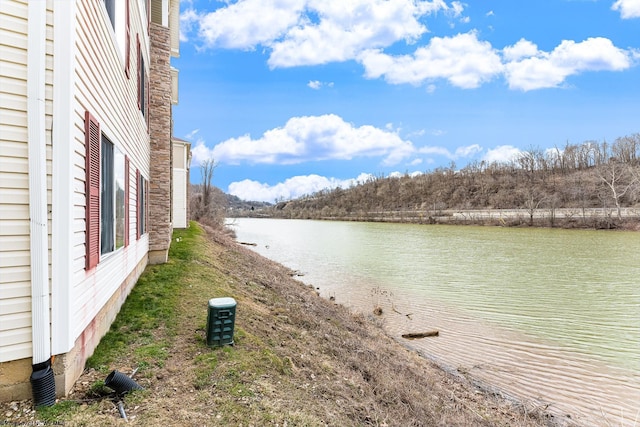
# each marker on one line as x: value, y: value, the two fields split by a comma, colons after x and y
x: 116, y: 249
x: 118, y: 29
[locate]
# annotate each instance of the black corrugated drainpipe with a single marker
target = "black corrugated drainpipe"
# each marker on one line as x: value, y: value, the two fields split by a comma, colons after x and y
x: 121, y: 383
x: 43, y: 384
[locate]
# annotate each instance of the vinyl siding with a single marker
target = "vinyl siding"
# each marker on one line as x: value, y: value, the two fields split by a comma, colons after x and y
x: 179, y: 198
x: 174, y: 18
x: 180, y: 184
x: 103, y: 89
x: 15, y: 275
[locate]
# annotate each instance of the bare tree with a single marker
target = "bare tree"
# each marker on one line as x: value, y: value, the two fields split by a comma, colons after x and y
x: 208, y: 204
x: 533, y: 199
x: 619, y: 178
x: 208, y: 167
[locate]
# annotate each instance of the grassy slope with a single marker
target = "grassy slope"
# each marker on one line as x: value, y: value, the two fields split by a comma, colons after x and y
x: 297, y: 360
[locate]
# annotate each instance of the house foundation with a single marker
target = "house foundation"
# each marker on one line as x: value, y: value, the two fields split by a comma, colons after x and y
x: 67, y: 368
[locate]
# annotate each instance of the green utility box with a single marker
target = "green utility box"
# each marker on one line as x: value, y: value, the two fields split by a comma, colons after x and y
x: 220, y: 321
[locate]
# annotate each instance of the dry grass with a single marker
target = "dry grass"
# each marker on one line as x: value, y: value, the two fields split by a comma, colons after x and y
x: 298, y: 360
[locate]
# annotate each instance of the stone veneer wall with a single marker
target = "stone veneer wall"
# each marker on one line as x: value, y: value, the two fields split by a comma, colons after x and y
x: 160, y: 123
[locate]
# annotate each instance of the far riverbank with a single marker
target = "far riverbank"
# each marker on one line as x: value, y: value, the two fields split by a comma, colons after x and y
x: 568, y: 218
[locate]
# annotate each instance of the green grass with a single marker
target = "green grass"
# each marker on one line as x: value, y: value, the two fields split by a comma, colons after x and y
x: 150, y: 306
x: 53, y: 414
x: 99, y: 389
x: 145, y: 328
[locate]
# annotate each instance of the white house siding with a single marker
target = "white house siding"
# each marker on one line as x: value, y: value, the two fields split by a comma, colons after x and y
x: 180, y: 176
x: 15, y: 273
x: 179, y: 199
x: 90, y: 61
x: 15, y: 284
x: 103, y: 89
x: 174, y: 17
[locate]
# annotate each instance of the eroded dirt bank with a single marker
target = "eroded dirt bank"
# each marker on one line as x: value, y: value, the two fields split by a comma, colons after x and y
x: 298, y: 359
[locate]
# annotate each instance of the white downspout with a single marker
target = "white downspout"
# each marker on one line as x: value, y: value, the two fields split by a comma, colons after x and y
x: 36, y: 64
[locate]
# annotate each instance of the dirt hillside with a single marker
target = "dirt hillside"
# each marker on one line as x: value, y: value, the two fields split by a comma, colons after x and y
x: 298, y: 360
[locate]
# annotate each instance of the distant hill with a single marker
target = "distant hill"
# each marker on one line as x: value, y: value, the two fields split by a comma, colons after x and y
x: 585, y: 185
x: 235, y: 203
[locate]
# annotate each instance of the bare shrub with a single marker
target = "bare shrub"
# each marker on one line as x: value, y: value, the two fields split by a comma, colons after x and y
x: 207, y: 203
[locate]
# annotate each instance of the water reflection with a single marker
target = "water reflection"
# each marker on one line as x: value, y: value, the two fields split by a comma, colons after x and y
x: 549, y: 315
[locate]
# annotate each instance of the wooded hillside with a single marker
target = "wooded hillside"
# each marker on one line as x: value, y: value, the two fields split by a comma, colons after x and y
x: 593, y: 184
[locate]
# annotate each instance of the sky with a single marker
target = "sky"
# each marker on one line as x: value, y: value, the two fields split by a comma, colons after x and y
x: 289, y: 97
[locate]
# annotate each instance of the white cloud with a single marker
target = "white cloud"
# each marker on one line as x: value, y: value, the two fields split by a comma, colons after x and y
x: 317, y: 138
x: 313, y: 32
x: 291, y: 188
x: 314, y: 138
x: 248, y: 23
x: 192, y: 134
x: 317, y: 84
x: 533, y: 69
x: 456, y: 8
x: 467, y: 151
x: 188, y: 19
x: 628, y: 8
x: 418, y: 133
x: 440, y: 151
x: 463, y: 60
x: 460, y: 152
x: 501, y: 154
x: 345, y: 28
x: 200, y: 153
x: 522, y: 49
x: 308, y: 32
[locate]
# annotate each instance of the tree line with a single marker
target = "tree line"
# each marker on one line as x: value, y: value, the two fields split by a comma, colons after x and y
x: 576, y: 177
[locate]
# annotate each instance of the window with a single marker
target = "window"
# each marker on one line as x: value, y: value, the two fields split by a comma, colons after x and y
x: 112, y: 197
x: 147, y: 11
x: 106, y: 188
x: 127, y: 39
x: 111, y: 11
x: 142, y: 82
x: 119, y: 18
x: 126, y: 200
x: 142, y: 185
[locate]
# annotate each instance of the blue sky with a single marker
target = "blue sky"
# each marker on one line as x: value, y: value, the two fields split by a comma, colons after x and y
x: 292, y: 96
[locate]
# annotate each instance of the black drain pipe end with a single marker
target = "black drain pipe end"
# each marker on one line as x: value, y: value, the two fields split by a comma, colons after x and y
x: 43, y: 384
x: 121, y: 383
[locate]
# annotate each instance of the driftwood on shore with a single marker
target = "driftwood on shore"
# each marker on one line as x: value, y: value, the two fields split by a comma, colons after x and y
x: 416, y: 335
x: 248, y: 243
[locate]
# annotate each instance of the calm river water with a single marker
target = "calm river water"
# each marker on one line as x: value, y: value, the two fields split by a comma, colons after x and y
x: 548, y: 316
